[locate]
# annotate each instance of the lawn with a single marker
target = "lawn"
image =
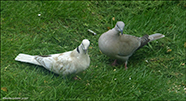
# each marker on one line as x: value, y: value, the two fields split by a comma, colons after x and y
x: 155, y: 72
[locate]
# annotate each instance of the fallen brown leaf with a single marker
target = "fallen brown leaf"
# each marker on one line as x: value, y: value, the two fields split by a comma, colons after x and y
x: 100, y: 51
x: 183, y: 64
x: 169, y: 50
x: 113, y: 18
x: 87, y: 84
x: 45, y: 81
x: 77, y: 78
x: 4, y: 89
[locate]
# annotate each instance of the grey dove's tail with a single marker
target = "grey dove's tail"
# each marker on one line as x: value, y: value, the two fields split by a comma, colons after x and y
x: 27, y: 58
x: 155, y: 36
x: 148, y: 38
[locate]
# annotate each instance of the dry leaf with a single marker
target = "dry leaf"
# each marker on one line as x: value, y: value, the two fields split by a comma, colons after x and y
x: 108, y: 28
x: 85, y: 24
x: 87, y: 84
x: 183, y: 64
x: 113, y: 18
x: 100, y: 51
x: 77, y: 78
x: 45, y: 81
x: 169, y: 50
x: 154, y: 59
x: 4, y: 89
x: 6, y: 67
x: 90, y: 47
x: 185, y: 44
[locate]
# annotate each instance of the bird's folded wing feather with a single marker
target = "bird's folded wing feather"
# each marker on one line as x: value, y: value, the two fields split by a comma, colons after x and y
x: 128, y: 44
x: 56, y: 63
x: 47, y: 62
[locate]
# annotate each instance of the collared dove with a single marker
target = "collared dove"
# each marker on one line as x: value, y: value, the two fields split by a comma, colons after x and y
x: 62, y: 63
x: 122, y: 46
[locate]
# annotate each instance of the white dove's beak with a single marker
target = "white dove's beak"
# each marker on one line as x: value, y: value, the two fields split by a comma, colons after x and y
x: 85, y: 50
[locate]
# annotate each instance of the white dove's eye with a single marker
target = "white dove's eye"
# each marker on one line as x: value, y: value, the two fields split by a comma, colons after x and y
x: 83, y: 46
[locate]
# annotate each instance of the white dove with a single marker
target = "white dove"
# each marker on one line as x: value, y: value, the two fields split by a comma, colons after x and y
x: 122, y: 46
x: 62, y: 63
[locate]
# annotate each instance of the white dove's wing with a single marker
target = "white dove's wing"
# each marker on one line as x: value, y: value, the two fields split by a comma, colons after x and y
x: 57, y: 63
x: 46, y: 62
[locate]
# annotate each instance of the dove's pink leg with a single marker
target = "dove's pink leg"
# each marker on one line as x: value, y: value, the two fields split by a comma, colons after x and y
x: 126, y: 65
x: 114, y: 63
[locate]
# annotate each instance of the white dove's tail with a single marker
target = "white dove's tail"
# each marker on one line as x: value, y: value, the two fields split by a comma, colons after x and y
x: 26, y: 58
x: 156, y: 36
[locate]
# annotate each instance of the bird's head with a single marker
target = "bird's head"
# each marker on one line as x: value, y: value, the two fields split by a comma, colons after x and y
x: 119, y: 26
x: 85, y: 44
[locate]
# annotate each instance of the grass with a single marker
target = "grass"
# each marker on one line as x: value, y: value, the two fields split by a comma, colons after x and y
x: 63, y: 25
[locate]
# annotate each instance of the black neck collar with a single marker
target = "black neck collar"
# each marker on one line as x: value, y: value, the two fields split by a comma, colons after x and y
x: 78, y: 49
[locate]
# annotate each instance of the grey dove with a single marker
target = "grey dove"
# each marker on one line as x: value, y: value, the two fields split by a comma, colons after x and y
x: 122, y: 46
x: 62, y: 63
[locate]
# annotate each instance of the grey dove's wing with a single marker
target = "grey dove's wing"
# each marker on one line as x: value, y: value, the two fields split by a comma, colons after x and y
x: 128, y: 44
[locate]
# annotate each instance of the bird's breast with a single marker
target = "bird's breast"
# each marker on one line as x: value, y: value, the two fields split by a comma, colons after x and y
x: 108, y: 45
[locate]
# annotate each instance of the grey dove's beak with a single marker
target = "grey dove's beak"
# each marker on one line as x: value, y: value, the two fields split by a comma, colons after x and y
x: 121, y: 32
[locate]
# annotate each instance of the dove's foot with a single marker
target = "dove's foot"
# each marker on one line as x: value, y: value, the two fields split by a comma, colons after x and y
x: 126, y: 65
x: 114, y: 63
